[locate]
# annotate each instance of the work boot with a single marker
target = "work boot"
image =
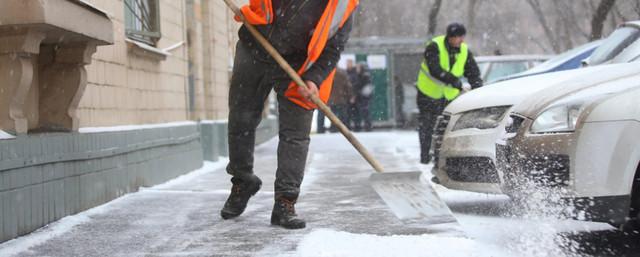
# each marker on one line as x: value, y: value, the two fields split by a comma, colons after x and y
x: 284, y: 215
x: 241, y: 191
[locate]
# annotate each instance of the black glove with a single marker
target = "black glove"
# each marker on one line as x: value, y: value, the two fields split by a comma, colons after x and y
x: 457, y: 84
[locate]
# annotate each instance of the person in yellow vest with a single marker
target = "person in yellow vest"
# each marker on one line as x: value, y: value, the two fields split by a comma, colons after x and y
x: 446, y: 59
x: 310, y: 35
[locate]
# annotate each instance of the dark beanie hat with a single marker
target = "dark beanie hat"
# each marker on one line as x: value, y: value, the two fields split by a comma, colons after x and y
x: 455, y: 30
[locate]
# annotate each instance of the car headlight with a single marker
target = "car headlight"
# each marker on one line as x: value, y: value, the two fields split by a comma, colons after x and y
x: 484, y: 118
x: 557, y: 119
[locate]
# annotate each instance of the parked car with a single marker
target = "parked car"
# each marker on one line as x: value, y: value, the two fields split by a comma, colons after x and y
x: 581, y: 141
x: 494, y: 68
x: 464, y: 141
x: 491, y: 67
x: 568, y: 60
x: 622, y: 42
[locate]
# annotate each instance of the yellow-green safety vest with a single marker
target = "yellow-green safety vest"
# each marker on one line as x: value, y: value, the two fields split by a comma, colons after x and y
x: 434, y: 88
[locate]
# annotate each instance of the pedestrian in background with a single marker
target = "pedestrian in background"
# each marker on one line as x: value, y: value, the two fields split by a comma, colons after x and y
x: 399, y: 102
x: 363, y: 90
x: 341, y: 94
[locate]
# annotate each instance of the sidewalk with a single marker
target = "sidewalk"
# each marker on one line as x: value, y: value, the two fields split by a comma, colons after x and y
x: 181, y: 218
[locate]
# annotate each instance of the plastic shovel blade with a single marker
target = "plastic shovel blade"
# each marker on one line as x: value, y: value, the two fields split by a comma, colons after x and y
x: 412, y: 200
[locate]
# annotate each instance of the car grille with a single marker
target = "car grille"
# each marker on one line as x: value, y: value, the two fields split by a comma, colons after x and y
x: 549, y: 170
x: 472, y: 169
x: 437, y: 137
x: 543, y: 170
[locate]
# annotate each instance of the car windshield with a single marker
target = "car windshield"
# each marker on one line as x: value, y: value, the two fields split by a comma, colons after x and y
x: 502, y: 69
x: 614, y: 44
x: 563, y: 57
x: 628, y: 54
x: 483, y: 67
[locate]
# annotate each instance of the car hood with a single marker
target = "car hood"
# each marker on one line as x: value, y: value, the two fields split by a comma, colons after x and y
x: 615, y: 79
x: 512, y: 92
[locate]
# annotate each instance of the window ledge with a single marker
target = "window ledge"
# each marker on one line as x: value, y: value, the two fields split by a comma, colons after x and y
x: 147, y: 51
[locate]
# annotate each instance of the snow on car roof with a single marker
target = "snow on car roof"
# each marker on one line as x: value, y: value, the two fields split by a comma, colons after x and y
x: 510, y: 92
x: 516, y: 57
x: 612, y: 77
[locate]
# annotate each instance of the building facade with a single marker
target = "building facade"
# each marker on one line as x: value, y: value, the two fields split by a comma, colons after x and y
x: 101, y: 97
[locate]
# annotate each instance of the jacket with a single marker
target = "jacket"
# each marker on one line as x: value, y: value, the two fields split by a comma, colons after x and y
x: 471, y: 70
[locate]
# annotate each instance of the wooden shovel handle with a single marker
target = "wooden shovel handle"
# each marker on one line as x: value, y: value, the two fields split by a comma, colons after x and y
x: 314, y: 98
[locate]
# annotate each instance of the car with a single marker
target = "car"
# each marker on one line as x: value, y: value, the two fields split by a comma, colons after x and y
x: 494, y: 68
x: 568, y: 60
x: 491, y: 68
x: 464, y: 154
x: 622, y: 42
x: 578, y: 143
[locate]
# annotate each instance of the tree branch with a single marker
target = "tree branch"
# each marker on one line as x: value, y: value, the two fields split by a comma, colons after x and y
x: 597, y: 22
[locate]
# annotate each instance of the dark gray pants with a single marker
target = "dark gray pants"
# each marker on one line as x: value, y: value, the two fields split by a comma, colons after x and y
x: 254, y: 76
x: 429, y: 109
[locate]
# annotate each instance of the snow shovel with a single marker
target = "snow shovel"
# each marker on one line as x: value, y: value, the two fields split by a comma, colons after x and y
x: 411, y: 199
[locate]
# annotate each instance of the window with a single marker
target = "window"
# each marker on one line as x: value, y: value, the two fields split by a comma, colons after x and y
x: 502, y: 69
x: 142, y: 20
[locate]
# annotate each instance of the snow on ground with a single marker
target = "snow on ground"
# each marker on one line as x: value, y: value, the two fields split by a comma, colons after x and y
x: 5, y: 135
x: 345, y: 217
x: 65, y: 225
x: 135, y: 127
x: 330, y: 243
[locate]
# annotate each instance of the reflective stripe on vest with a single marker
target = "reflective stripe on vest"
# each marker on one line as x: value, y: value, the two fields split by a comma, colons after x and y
x: 434, y: 88
x: 333, y: 18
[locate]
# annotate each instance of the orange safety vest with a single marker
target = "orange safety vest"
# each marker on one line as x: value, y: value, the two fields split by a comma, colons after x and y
x: 337, y: 12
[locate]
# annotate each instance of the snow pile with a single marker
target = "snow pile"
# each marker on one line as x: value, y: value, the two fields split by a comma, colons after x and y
x: 5, y: 135
x: 329, y: 243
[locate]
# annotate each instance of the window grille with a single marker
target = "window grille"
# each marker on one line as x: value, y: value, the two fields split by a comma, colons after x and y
x: 142, y: 20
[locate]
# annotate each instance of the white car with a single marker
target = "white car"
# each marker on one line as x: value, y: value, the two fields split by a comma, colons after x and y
x: 582, y: 141
x: 494, y: 68
x: 463, y: 142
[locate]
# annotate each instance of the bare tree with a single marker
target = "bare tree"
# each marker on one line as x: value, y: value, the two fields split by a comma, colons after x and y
x: 540, y: 15
x: 471, y: 13
x: 433, y: 17
x: 599, y: 17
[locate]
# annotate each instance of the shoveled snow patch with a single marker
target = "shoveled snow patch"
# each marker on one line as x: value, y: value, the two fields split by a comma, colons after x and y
x: 329, y: 243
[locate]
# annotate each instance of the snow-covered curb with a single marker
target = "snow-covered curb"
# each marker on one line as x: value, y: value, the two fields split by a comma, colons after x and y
x: 136, y: 127
x: 206, y: 168
x: 214, y: 121
x: 20, y: 245
x: 5, y: 135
